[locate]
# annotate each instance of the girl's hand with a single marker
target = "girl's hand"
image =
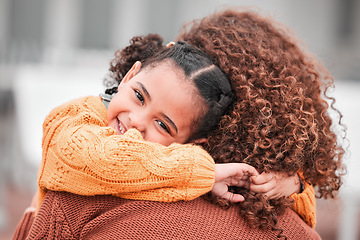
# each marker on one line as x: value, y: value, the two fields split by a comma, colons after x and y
x: 232, y: 174
x: 275, y: 184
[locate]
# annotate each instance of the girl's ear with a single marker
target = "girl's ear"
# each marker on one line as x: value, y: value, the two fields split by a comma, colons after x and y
x: 131, y: 73
x: 199, y: 140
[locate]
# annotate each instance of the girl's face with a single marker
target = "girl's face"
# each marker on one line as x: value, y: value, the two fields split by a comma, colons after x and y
x: 156, y: 101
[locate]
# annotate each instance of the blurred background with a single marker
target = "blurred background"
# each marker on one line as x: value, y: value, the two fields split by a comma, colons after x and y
x: 54, y: 51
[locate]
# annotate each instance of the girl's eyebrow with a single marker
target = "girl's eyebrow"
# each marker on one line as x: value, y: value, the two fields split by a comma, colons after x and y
x: 170, y: 122
x: 143, y: 88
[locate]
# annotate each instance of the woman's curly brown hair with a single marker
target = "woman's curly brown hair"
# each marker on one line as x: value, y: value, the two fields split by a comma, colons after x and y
x: 279, y: 120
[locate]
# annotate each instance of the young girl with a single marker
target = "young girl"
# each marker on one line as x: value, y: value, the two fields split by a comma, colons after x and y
x: 279, y: 122
x: 175, y: 96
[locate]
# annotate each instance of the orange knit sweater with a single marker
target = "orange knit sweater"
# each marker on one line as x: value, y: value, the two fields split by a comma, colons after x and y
x: 81, y: 155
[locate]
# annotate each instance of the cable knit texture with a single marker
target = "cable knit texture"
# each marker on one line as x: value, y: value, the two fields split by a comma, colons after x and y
x: 82, y: 155
x: 67, y: 216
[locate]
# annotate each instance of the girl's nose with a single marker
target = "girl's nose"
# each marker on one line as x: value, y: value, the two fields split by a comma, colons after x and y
x: 138, y: 122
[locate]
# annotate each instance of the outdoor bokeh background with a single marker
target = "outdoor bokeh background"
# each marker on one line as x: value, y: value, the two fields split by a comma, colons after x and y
x: 52, y: 51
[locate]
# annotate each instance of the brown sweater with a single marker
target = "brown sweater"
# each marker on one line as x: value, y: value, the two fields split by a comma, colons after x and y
x: 68, y: 216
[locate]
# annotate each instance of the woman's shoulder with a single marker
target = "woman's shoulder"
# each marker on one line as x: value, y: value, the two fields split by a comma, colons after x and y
x: 112, y: 217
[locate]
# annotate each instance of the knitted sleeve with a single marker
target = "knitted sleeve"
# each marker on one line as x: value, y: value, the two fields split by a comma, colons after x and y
x: 305, y: 204
x: 82, y: 155
x: 23, y: 228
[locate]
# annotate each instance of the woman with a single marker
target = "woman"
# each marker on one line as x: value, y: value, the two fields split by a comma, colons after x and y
x: 280, y: 120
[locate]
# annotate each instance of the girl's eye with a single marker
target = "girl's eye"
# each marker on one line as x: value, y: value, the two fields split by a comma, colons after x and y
x: 164, y: 126
x: 139, y: 96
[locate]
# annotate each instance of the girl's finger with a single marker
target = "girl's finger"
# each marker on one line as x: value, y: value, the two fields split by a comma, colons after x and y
x: 263, y: 188
x: 234, y: 198
x: 273, y: 194
x: 262, y: 178
x: 249, y: 170
x: 240, y: 183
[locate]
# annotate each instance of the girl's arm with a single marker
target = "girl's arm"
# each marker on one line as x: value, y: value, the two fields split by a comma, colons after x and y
x: 276, y: 185
x: 82, y: 155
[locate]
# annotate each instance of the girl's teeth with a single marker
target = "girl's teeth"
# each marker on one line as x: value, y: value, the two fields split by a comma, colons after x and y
x: 121, y: 128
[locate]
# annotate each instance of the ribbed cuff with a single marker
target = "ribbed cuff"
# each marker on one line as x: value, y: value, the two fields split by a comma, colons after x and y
x: 203, y: 175
x: 305, y: 205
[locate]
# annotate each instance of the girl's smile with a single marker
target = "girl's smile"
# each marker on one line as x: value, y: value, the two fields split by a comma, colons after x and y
x: 120, y: 128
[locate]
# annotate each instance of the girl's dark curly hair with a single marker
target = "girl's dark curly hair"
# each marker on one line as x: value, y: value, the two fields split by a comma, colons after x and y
x: 279, y: 120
